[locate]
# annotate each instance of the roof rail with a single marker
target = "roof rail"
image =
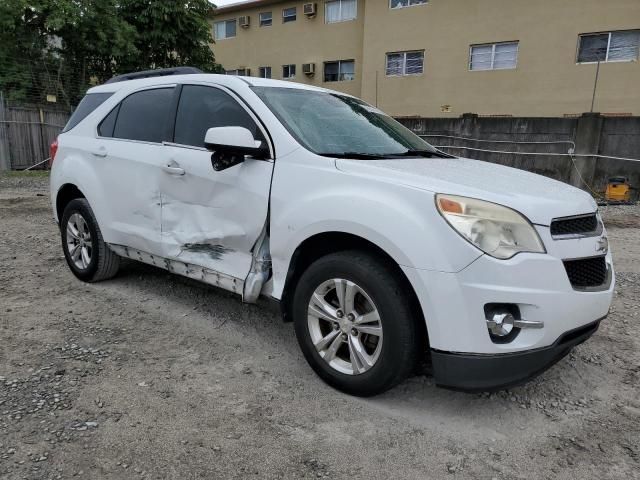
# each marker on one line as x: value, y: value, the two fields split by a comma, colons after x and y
x: 160, y: 72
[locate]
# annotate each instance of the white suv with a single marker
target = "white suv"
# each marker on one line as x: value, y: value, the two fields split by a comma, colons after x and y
x: 382, y: 250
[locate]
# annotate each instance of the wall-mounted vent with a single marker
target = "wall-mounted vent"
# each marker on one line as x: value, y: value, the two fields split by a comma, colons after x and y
x: 244, y: 21
x: 309, y: 68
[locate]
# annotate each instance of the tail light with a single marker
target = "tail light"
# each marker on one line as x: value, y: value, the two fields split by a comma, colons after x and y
x: 53, y: 149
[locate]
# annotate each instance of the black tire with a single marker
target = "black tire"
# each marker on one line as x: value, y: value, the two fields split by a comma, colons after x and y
x: 104, y: 262
x: 399, y: 352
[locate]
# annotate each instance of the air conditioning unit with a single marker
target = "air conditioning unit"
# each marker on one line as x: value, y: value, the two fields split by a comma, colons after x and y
x: 308, y: 68
x: 310, y: 9
x: 244, y: 21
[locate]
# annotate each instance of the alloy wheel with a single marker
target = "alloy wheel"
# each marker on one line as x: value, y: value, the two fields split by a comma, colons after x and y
x: 79, y: 243
x: 345, y: 326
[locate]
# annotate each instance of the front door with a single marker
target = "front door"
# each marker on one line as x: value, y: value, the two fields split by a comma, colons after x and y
x: 212, y: 219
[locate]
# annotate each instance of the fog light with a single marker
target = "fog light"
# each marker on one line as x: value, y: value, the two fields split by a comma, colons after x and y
x: 501, y: 324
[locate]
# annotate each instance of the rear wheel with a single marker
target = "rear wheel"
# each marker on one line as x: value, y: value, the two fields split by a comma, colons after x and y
x: 354, y: 323
x: 88, y: 256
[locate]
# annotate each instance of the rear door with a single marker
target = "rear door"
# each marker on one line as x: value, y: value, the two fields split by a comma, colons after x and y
x: 213, y: 218
x: 131, y: 158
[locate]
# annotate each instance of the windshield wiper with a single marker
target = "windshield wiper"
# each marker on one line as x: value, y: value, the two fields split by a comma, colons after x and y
x: 354, y: 155
x: 420, y: 153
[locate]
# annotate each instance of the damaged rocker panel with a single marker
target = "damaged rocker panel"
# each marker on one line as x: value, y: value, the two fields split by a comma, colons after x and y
x: 196, y: 272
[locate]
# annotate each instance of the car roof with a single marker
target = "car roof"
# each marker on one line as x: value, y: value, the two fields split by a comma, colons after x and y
x: 224, y: 80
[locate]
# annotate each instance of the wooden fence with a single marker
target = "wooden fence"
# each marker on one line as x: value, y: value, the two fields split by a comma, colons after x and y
x: 26, y: 133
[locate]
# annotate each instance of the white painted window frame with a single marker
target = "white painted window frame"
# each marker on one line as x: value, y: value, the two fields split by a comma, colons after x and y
x: 234, y: 20
x: 260, y: 19
x: 408, y: 6
x: 265, y: 67
x: 289, y: 65
x: 606, y: 60
x: 339, y: 21
x: 493, y: 55
x: 339, y: 62
x: 287, y: 16
x: 404, y: 63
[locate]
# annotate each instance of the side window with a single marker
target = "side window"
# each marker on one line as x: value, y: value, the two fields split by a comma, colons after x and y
x: 105, y: 129
x: 144, y: 116
x: 202, y: 108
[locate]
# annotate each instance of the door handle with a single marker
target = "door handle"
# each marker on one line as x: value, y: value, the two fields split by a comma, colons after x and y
x: 100, y: 152
x: 173, y: 168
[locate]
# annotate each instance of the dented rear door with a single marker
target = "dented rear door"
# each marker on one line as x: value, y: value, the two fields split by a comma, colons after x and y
x: 212, y: 219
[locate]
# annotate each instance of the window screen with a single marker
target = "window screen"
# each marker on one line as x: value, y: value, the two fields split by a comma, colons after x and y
x: 609, y: 47
x: 266, y: 19
x: 340, y: 11
x: 145, y: 115
x: 494, y: 56
x: 87, y: 105
x: 405, y: 63
x: 289, y: 15
x: 202, y: 108
x: 224, y: 29
x: 405, y: 3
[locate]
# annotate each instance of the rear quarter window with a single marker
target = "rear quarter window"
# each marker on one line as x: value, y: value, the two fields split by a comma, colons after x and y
x: 88, y: 104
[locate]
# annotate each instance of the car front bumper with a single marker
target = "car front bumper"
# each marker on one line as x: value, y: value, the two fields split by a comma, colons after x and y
x: 463, y: 353
x: 469, y: 372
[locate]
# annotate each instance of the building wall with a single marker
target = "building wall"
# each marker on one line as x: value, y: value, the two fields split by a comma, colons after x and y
x: 307, y: 40
x: 546, y: 82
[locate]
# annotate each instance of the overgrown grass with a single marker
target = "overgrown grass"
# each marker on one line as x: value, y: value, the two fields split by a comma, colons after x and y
x: 26, y: 173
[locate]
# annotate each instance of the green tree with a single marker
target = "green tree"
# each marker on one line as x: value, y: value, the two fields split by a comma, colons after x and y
x: 62, y: 46
x: 169, y: 34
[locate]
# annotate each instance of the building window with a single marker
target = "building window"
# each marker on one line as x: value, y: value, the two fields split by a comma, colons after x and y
x: 288, y: 71
x: 289, y: 15
x: 339, y: 71
x: 265, y: 72
x: 224, y: 29
x: 405, y: 63
x: 238, y: 71
x: 622, y: 46
x: 405, y: 3
x: 493, y: 56
x: 340, y: 11
x: 266, y: 19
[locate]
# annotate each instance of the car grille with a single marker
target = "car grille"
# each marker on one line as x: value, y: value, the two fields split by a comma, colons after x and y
x: 581, y: 225
x: 586, y: 272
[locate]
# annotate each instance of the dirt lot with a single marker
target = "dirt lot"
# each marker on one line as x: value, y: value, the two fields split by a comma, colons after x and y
x: 154, y: 376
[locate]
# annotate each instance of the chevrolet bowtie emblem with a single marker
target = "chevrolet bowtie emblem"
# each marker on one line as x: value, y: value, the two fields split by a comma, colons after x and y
x: 602, y: 245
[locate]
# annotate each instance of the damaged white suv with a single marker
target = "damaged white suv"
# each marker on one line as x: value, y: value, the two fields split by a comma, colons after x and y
x: 382, y: 250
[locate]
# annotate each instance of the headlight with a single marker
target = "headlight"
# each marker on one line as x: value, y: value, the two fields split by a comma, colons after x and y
x: 496, y: 230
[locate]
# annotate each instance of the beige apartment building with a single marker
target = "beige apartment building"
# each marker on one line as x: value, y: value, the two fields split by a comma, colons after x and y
x: 439, y: 58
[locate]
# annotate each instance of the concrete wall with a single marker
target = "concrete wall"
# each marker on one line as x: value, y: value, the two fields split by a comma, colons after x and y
x: 591, y: 134
x: 546, y: 82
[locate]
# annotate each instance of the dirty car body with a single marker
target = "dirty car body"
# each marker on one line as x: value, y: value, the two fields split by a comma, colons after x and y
x: 502, y: 271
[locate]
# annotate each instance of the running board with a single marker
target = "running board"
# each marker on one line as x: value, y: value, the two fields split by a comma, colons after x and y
x: 196, y: 272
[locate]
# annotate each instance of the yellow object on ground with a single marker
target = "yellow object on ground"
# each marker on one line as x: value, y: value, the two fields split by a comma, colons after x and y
x: 618, y: 190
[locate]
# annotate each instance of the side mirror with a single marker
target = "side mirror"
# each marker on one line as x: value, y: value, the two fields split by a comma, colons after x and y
x: 236, y: 141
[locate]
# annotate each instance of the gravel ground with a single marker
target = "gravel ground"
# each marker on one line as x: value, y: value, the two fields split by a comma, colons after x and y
x: 151, y: 375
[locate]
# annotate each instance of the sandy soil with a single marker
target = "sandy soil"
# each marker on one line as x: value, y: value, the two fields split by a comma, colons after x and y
x: 151, y: 375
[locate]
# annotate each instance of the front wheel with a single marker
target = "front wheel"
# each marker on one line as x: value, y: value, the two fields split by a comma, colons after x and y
x: 354, y: 323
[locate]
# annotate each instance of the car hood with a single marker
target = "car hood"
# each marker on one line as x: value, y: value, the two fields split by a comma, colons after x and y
x: 539, y: 198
